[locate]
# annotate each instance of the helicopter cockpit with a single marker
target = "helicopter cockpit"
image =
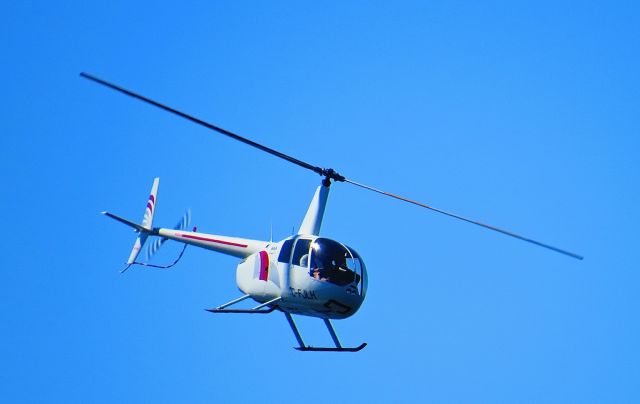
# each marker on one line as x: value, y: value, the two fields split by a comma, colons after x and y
x: 329, y: 261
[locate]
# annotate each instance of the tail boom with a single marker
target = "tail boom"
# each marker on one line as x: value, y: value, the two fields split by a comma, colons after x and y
x: 234, y: 246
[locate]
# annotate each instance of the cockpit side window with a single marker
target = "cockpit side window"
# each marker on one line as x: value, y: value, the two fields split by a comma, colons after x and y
x: 357, y: 265
x: 285, y: 251
x: 301, y: 253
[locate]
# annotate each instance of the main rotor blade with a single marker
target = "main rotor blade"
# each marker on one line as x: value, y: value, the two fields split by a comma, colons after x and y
x: 486, y: 226
x: 329, y: 174
x: 218, y: 129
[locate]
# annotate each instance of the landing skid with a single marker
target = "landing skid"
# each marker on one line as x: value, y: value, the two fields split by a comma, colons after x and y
x: 314, y: 349
x: 242, y: 311
x: 334, y: 336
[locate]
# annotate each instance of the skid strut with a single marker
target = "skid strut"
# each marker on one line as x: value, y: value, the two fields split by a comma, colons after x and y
x: 260, y: 309
x: 338, y: 347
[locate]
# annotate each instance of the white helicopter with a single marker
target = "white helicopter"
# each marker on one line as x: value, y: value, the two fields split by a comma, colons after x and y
x: 305, y: 274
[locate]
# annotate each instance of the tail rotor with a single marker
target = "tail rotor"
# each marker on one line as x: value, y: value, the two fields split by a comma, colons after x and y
x: 183, y: 224
x: 145, y: 229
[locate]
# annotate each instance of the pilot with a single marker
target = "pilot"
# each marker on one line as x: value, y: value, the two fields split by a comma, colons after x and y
x: 319, y: 274
x: 315, y: 272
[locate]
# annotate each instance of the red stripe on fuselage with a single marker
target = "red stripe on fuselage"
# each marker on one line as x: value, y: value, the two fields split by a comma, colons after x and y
x: 213, y: 240
x: 264, y: 266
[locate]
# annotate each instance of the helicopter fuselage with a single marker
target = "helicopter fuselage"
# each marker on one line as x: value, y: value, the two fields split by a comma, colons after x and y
x: 309, y: 275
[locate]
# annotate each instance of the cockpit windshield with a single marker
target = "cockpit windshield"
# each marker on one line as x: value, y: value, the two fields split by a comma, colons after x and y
x: 333, y: 262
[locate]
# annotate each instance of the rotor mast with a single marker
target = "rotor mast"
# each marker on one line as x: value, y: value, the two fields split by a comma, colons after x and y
x: 313, y: 218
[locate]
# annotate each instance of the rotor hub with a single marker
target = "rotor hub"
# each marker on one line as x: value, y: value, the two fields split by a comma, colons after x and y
x: 330, y: 174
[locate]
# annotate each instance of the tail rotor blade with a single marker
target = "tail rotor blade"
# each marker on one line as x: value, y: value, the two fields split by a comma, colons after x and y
x: 154, y: 247
x: 486, y: 226
x: 182, y: 224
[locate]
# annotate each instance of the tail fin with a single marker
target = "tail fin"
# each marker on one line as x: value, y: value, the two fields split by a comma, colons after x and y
x: 136, y: 248
x: 145, y: 227
x: 147, y: 220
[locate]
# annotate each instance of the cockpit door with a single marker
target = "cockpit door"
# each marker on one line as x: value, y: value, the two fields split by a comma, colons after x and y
x: 300, y: 255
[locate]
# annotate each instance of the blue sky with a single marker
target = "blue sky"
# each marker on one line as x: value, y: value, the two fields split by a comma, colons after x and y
x: 522, y: 115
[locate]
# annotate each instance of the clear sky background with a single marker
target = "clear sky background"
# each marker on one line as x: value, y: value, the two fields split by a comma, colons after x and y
x: 521, y: 115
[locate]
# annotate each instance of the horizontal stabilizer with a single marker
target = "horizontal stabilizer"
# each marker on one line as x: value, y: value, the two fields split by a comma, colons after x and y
x: 125, y: 221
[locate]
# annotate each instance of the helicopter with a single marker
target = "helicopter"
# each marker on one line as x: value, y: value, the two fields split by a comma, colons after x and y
x: 305, y: 274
